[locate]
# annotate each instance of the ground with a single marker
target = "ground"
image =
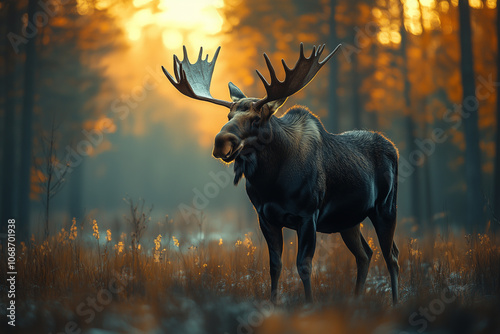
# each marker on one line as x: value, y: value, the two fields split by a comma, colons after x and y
x: 77, y: 283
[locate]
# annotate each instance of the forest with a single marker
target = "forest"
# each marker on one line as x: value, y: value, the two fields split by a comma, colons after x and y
x: 122, y: 220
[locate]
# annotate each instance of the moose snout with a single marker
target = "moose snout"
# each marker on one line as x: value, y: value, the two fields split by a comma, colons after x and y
x: 224, y: 145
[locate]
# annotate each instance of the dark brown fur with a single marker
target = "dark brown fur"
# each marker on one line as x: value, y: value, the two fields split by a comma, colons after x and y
x: 302, y: 177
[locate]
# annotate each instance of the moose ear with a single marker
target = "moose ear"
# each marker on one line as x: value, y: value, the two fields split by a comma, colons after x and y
x: 270, y: 108
x: 235, y: 92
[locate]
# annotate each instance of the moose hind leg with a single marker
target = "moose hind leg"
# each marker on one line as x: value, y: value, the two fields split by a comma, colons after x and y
x: 362, y: 252
x: 385, y: 233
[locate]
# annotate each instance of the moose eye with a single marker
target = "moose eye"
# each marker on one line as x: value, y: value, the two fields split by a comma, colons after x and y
x: 255, y: 122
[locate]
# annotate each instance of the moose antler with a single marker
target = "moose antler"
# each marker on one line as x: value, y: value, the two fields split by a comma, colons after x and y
x: 295, y: 79
x: 193, y: 80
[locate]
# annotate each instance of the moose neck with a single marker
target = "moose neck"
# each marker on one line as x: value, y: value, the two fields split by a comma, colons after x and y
x: 263, y: 155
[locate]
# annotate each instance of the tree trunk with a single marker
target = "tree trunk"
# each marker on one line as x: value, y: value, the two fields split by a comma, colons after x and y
x: 425, y: 184
x: 76, y: 191
x: 333, y: 110
x: 27, y: 131
x: 355, y: 110
x: 356, y: 97
x: 474, y: 196
x: 9, y: 153
x: 415, y: 185
x: 496, y: 176
x: 372, y: 121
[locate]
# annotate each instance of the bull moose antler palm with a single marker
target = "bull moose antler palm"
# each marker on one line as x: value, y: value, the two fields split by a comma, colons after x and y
x: 297, y: 174
x: 295, y: 79
x: 193, y: 80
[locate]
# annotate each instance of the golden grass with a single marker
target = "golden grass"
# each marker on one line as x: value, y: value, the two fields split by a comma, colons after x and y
x: 229, y: 280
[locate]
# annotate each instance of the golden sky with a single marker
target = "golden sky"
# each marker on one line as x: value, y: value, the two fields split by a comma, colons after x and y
x: 156, y: 29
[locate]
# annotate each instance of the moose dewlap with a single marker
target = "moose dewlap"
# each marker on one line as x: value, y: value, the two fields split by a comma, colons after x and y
x: 297, y: 174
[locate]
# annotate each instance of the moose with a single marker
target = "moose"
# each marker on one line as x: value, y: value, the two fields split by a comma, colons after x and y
x: 297, y: 174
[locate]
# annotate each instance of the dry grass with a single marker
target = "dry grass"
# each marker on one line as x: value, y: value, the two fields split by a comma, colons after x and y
x: 80, y: 278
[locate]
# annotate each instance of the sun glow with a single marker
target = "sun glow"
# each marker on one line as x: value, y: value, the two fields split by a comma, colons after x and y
x: 177, y: 22
x: 174, y: 22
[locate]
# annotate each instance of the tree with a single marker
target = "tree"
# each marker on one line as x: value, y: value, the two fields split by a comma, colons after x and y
x: 27, y: 128
x: 496, y: 175
x: 409, y: 123
x: 333, y: 103
x: 45, y: 168
x: 9, y: 153
x: 474, y: 196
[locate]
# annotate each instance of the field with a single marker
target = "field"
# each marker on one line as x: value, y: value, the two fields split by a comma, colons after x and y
x: 82, y: 280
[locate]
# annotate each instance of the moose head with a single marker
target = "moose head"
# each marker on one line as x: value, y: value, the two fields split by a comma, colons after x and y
x: 247, y: 115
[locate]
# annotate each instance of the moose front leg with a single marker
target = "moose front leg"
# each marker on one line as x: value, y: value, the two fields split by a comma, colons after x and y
x: 274, y: 239
x: 306, y: 233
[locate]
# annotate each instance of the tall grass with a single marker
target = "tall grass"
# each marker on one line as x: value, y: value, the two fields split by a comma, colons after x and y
x: 160, y: 276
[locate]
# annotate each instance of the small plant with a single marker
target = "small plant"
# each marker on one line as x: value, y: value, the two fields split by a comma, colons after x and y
x: 96, y: 235
x: 51, y: 179
x: 138, y: 219
x: 157, y: 248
